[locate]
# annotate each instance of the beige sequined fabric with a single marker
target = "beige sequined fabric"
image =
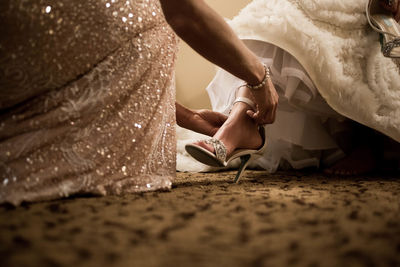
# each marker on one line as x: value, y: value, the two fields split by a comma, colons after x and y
x: 86, y: 98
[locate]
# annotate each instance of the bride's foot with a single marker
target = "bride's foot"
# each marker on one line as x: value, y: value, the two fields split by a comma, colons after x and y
x: 359, y: 161
x: 239, y: 131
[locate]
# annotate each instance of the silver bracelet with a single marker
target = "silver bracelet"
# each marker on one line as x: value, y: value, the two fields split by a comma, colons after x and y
x: 264, y: 81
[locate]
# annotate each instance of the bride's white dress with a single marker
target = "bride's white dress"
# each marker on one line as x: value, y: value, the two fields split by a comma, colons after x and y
x: 325, y: 61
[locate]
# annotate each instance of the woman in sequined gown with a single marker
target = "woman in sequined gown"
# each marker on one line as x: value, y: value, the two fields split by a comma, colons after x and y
x: 86, y: 98
x: 87, y: 92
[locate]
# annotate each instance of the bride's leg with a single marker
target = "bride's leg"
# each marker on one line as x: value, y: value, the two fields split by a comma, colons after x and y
x: 362, y: 157
x: 239, y: 130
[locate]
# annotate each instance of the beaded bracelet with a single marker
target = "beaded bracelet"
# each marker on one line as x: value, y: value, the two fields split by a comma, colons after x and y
x: 264, y: 81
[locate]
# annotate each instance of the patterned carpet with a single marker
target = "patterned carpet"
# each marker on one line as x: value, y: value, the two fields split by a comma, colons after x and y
x: 284, y: 219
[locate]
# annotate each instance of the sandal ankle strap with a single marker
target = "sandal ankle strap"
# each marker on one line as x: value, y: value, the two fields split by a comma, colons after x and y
x: 245, y: 100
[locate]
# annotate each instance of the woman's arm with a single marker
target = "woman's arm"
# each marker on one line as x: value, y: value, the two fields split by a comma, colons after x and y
x: 207, y: 33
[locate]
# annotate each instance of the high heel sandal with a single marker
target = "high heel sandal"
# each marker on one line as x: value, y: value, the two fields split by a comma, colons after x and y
x: 219, y: 158
x: 382, y: 21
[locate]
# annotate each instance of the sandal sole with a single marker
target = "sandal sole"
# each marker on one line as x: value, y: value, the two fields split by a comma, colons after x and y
x: 203, y: 155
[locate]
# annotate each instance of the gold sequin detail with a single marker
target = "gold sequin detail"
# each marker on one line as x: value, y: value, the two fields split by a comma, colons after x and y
x: 86, y: 98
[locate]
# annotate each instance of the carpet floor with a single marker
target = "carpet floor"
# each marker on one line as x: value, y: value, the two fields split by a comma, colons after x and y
x: 282, y: 219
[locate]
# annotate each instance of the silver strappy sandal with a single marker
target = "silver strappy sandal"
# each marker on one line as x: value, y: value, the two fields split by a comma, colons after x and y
x: 219, y: 158
x: 382, y: 21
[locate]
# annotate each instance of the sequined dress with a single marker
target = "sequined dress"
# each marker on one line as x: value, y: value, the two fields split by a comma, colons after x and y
x: 86, y: 98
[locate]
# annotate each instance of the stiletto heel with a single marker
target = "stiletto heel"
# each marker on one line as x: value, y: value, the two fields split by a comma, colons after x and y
x: 219, y: 158
x: 244, y: 161
x: 382, y: 21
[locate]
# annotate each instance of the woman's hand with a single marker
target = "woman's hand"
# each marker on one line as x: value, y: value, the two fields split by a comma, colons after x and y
x: 267, y: 102
x: 202, y: 121
x: 207, y: 121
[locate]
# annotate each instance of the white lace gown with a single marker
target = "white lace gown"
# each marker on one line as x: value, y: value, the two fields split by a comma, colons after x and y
x: 302, y: 133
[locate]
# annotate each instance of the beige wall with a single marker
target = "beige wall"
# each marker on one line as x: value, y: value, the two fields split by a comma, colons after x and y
x: 193, y: 73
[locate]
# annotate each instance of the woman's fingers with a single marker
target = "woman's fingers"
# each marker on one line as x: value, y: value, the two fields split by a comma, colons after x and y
x: 260, y: 118
x: 251, y: 114
x: 270, y: 113
x: 222, y: 118
x: 266, y: 110
x: 212, y: 117
x: 255, y: 116
x: 263, y: 117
